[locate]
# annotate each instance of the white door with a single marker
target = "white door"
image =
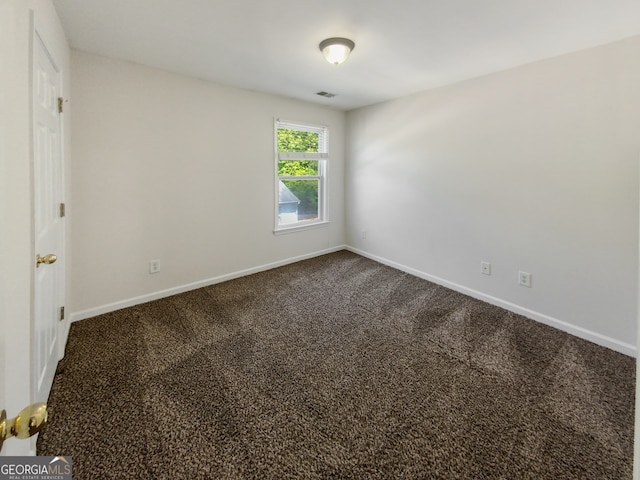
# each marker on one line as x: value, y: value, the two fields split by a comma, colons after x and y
x: 18, y: 339
x: 48, y: 221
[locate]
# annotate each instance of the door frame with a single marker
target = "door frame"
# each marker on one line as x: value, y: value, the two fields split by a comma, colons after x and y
x: 636, y: 443
x: 17, y: 23
x: 56, y: 300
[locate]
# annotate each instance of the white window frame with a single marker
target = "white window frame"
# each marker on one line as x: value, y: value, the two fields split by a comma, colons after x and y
x: 323, y: 173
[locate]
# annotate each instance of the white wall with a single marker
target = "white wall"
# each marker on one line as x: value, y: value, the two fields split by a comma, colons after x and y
x: 18, y: 18
x: 533, y: 169
x: 181, y: 170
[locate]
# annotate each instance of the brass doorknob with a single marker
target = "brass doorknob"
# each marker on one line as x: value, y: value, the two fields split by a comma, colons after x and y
x: 29, y: 421
x: 48, y: 259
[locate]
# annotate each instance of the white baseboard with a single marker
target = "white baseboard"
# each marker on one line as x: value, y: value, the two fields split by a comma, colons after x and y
x: 111, y: 307
x: 580, y: 332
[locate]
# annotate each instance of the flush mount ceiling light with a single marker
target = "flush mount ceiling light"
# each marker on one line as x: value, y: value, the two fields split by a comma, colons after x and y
x: 336, y: 50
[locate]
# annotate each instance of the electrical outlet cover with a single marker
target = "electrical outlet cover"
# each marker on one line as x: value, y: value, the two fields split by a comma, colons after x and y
x: 524, y: 279
x: 154, y: 266
x: 485, y: 268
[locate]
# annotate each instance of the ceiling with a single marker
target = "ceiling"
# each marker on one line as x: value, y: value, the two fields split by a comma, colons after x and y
x: 402, y: 46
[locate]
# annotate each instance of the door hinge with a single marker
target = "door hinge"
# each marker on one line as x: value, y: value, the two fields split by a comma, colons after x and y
x: 60, y: 102
x: 61, y: 313
x: 63, y: 210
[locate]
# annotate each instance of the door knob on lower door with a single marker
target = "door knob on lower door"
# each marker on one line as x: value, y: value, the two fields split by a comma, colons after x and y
x: 47, y: 259
x: 29, y: 421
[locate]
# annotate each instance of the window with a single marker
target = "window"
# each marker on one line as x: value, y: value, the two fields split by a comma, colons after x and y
x: 301, y: 175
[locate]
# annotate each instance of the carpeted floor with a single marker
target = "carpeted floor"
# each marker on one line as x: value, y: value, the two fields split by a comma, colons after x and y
x: 336, y: 367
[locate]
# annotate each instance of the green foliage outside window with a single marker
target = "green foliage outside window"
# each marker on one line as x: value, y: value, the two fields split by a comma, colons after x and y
x: 297, y: 141
x: 305, y: 190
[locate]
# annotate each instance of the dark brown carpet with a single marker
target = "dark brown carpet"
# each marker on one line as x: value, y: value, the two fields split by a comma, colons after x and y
x: 336, y: 367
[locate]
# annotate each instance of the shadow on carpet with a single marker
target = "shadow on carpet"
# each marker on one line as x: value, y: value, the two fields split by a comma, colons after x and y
x: 336, y: 368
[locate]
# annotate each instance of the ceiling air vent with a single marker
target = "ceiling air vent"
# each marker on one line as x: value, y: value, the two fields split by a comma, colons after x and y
x: 326, y: 94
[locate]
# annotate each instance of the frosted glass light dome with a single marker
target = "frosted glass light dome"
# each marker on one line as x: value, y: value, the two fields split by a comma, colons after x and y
x: 336, y: 50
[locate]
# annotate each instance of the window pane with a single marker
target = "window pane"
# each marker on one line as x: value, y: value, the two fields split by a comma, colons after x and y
x: 297, y: 168
x: 297, y: 141
x: 298, y: 201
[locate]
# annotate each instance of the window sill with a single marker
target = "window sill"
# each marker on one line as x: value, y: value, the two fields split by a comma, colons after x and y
x: 298, y: 228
